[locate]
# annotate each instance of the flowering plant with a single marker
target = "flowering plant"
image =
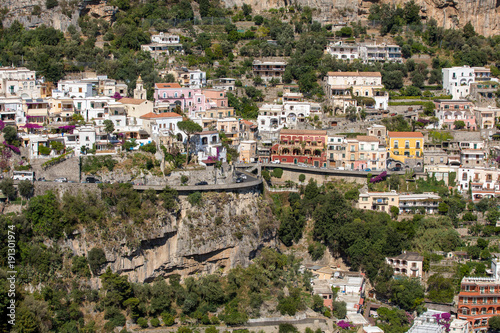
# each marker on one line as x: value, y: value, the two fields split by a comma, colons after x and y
x: 444, y: 319
x: 345, y: 325
x: 378, y: 178
x: 13, y: 148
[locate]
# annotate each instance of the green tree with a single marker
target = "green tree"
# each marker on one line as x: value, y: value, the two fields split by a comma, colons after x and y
x: 407, y: 293
x: 8, y: 189
x: 494, y: 323
x: 49, y: 4
x: 189, y: 127
x: 459, y: 124
x: 25, y: 188
x: 394, y: 211
x: 277, y: 173
x: 443, y: 208
x: 10, y: 134
x: 302, y: 178
x: 109, y: 127
x: 96, y: 258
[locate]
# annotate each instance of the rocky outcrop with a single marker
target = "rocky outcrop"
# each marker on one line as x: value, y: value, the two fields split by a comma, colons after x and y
x: 226, y: 231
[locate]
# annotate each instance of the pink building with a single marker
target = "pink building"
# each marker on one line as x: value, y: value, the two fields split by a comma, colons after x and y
x: 216, y: 98
x: 190, y: 100
x: 449, y: 111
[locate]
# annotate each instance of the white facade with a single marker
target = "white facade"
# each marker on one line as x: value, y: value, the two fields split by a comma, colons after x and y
x: 273, y: 117
x: 73, y: 89
x: 197, y: 79
x: 457, y: 80
x: 11, y: 111
x: 380, y: 52
x: 18, y: 82
x: 92, y: 107
x: 343, y: 51
x: 459, y: 326
x: 161, y: 38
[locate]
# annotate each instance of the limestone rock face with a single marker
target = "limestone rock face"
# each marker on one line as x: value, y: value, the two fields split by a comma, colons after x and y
x: 226, y: 231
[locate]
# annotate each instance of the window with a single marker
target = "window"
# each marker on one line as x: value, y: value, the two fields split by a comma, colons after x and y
x: 352, y: 157
x: 418, y: 145
x: 364, y: 199
x: 396, y: 144
x: 199, y: 100
x: 407, y: 144
x: 432, y: 159
x: 373, y: 147
x: 80, y: 90
x: 492, y: 290
x: 362, y: 147
x: 418, y: 154
x: 441, y: 160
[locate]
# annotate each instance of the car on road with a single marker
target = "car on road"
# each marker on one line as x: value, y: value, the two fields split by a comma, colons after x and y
x: 92, y: 180
x: 201, y: 183
x: 396, y: 169
x: 239, y: 180
x: 61, y: 180
x: 367, y: 170
x: 276, y: 162
x: 242, y: 176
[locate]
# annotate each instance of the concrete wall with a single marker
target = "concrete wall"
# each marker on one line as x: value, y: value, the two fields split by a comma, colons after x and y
x: 293, y: 175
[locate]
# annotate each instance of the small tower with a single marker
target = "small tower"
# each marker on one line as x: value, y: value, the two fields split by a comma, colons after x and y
x: 139, y: 91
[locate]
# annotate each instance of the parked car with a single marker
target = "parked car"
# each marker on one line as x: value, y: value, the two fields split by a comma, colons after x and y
x: 239, y: 180
x: 201, y: 183
x: 276, y: 162
x: 41, y: 179
x: 92, y: 180
x: 61, y: 180
x: 396, y: 169
x: 242, y: 176
x: 367, y: 170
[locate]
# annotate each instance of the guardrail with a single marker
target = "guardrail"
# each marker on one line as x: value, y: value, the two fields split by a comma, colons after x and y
x: 204, y: 188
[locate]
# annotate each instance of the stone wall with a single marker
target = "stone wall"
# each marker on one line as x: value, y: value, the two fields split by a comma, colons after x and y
x: 69, y: 169
x: 61, y: 188
x: 293, y: 175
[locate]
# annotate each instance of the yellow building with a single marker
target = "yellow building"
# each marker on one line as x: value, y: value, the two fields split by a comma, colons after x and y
x: 381, y: 201
x: 406, y: 147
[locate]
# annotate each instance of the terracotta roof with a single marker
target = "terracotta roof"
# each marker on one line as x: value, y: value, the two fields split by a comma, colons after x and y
x: 405, y: 135
x: 302, y: 132
x: 207, y: 132
x: 246, y: 122
x: 367, y: 138
x: 136, y: 101
x: 152, y: 115
x: 167, y: 85
x: 354, y: 74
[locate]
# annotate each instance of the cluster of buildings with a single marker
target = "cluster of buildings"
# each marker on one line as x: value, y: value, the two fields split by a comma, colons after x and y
x: 365, y: 52
x: 466, y: 81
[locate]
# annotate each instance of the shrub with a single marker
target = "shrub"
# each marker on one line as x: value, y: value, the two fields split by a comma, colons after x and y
x: 278, y: 172
x: 316, y: 250
x: 51, y: 4
x: 184, y: 179
x: 149, y: 148
x: 287, y: 328
x: 96, y: 258
x: 80, y: 266
x: 168, y: 319
x: 44, y: 150
x: 195, y: 198
x: 155, y: 322
x: 302, y: 178
x: 142, y: 322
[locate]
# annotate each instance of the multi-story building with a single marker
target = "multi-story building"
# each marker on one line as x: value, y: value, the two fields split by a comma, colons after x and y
x: 301, y: 146
x: 273, y: 117
x: 224, y: 83
x: 406, y: 148
x: 163, y: 123
x: 11, y: 111
x: 486, y: 117
x: 370, y: 53
x: 341, y: 87
x: 459, y: 326
x: 269, y: 70
x: 197, y: 79
x: 471, y: 158
x: 482, y: 74
x: 378, y: 131
x: 19, y: 82
x: 482, y: 182
x: 73, y: 89
x: 37, y: 111
x: 336, y: 150
x: 419, y: 203
x: 379, y: 201
x: 410, y: 264
x: 478, y: 299
x: 248, y: 151
x: 483, y: 93
x: 435, y: 156
x: 231, y: 128
x: 208, y: 148
x: 343, y: 50
x: 189, y: 100
x: 427, y: 323
x: 165, y: 38
x: 372, y: 156
x: 163, y: 43
x: 61, y: 110
x: 457, y: 80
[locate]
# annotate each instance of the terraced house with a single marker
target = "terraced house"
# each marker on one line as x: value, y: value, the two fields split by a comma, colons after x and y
x: 479, y: 298
x: 405, y: 149
x: 301, y: 146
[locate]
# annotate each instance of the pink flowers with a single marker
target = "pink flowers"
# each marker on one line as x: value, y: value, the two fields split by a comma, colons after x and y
x: 379, y: 178
x: 444, y: 319
x: 13, y: 148
x: 344, y: 325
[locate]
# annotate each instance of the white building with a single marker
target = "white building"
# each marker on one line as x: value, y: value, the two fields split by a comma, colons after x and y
x: 343, y: 51
x: 412, y: 203
x: 457, y: 80
x: 380, y: 53
x: 459, y: 326
x: 162, y: 38
x: 163, y: 124
x: 92, y: 107
x: 273, y: 117
x: 73, y: 89
x: 18, y: 82
x: 208, y: 148
x: 483, y: 182
x: 410, y: 264
x: 11, y: 111
x: 197, y: 79
x: 427, y: 323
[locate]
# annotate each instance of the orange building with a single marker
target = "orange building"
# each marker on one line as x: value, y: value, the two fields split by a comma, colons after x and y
x: 301, y: 146
x: 479, y: 298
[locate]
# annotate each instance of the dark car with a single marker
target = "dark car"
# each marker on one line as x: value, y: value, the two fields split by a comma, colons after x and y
x: 396, y: 169
x: 201, y: 183
x: 239, y: 180
x: 92, y: 180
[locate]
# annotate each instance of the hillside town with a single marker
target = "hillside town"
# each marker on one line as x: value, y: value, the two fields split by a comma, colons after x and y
x: 199, y: 167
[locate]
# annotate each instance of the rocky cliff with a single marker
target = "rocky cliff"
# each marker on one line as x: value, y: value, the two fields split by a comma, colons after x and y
x: 225, y: 231
x: 483, y: 14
